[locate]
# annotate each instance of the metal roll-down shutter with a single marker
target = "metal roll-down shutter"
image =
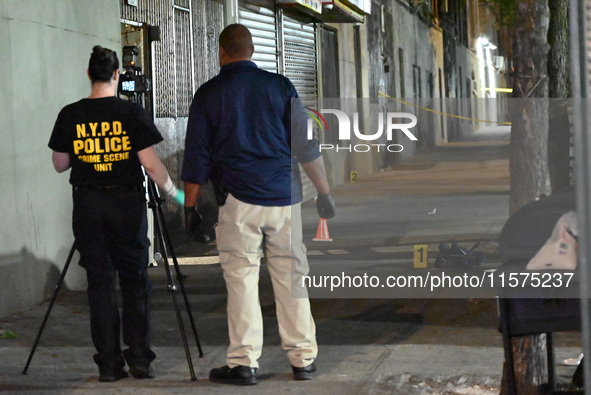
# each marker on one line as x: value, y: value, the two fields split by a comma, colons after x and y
x: 299, y: 65
x: 262, y: 25
x: 299, y: 58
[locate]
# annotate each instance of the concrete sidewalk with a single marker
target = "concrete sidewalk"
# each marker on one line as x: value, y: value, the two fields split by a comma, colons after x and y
x: 367, y: 345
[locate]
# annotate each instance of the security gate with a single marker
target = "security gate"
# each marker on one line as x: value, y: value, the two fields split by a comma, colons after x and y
x: 263, y: 27
x: 299, y: 58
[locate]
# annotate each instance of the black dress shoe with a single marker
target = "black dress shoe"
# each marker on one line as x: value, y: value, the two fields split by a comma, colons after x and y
x: 306, y: 373
x: 139, y: 359
x: 110, y: 369
x: 238, y: 375
x: 141, y: 371
x: 111, y: 375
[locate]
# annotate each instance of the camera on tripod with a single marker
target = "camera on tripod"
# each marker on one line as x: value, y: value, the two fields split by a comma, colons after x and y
x: 132, y: 80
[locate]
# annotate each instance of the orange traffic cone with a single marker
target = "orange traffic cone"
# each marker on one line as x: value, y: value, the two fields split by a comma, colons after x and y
x: 322, y: 232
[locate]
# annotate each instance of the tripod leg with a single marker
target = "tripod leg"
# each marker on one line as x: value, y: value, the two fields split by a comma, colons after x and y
x: 158, y: 221
x: 57, y: 287
x: 179, y: 277
x: 172, y: 289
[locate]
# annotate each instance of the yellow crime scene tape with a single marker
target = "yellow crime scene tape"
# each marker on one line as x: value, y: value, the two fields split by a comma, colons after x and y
x: 441, y: 113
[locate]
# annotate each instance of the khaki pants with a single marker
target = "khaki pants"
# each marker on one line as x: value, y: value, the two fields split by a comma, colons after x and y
x: 242, y: 232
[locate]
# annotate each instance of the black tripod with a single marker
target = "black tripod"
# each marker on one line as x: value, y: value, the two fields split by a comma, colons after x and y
x: 155, y: 203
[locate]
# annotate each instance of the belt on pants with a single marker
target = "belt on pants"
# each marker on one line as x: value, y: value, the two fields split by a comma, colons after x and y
x: 110, y: 187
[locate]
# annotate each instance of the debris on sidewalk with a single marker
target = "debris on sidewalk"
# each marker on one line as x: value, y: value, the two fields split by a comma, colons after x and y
x: 7, y: 334
x: 411, y: 384
x: 573, y: 361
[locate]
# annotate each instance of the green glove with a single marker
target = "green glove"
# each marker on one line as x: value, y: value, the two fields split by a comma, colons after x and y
x: 179, y: 197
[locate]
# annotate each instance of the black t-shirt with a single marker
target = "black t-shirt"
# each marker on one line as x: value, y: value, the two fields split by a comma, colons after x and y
x: 103, y: 137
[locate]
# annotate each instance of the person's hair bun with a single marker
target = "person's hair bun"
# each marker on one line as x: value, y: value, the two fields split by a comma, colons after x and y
x: 103, y: 62
x: 97, y: 50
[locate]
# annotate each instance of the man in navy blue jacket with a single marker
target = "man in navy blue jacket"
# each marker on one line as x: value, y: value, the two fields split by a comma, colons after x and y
x: 249, y: 125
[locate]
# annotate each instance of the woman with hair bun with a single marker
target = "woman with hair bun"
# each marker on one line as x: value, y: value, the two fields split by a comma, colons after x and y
x: 106, y: 141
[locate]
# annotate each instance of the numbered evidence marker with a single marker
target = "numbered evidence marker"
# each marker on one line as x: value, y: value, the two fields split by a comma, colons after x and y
x: 421, y: 256
x: 353, y: 176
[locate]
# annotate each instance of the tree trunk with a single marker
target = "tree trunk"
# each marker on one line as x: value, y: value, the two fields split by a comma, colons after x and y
x: 559, y: 54
x: 530, y: 373
x: 528, y: 160
x: 559, y: 88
